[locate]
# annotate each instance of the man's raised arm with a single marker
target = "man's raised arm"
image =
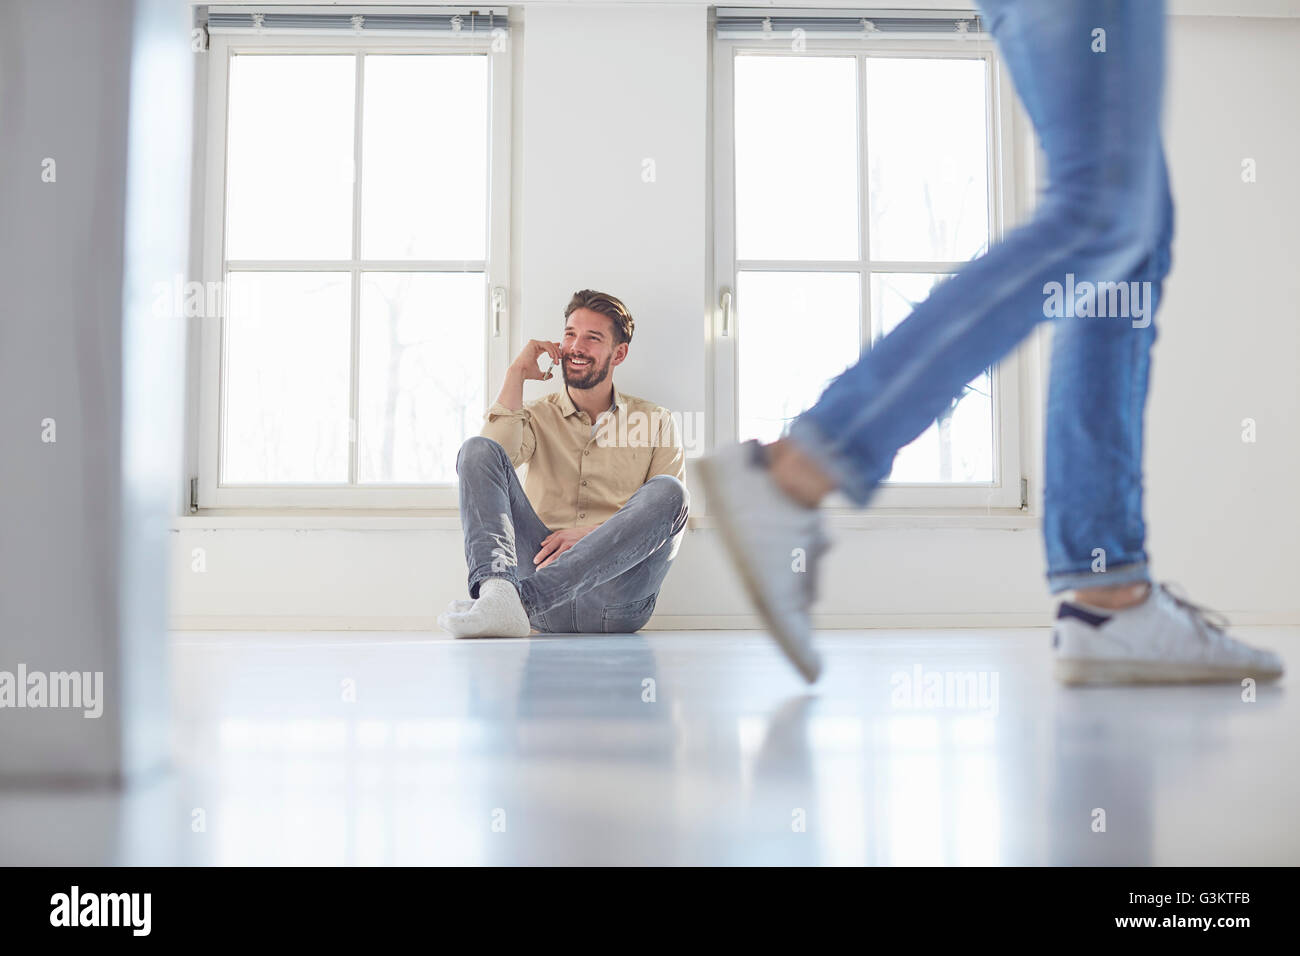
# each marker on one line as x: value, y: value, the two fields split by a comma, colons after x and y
x: 508, y: 423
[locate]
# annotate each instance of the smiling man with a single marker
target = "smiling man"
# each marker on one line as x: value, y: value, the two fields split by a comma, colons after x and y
x: 584, y: 544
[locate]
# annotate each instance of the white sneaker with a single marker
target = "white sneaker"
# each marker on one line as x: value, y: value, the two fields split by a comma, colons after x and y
x: 762, y: 529
x: 1165, y: 639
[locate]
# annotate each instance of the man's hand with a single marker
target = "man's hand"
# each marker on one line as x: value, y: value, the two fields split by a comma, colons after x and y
x: 526, y: 360
x: 525, y: 367
x: 557, y: 542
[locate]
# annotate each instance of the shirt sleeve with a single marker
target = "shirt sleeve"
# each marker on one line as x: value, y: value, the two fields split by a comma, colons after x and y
x: 667, y: 457
x: 512, y: 429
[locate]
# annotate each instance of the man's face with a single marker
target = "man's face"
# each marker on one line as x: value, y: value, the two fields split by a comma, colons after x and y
x: 588, y: 349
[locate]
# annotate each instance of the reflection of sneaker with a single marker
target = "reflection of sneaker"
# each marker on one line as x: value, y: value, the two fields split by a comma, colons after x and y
x: 1164, y: 640
x: 764, y: 531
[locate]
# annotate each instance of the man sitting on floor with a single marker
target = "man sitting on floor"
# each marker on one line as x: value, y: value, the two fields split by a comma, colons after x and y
x: 585, y: 543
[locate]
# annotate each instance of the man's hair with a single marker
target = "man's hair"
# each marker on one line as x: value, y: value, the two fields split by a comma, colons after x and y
x: 606, y: 305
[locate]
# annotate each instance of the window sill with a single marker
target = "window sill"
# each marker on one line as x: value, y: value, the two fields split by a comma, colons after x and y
x: 882, y: 518
x: 447, y: 519
x: 314, y: 519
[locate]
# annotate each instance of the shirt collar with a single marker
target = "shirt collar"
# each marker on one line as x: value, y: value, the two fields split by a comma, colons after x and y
x: 568, y: 408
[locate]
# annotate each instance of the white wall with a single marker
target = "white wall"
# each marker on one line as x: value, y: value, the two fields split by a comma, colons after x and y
x: 1224, y: 514
x: 596, y: 97
x: 595, y: 104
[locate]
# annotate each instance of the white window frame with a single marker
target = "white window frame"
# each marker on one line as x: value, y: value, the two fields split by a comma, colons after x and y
x: 211, y: 493
x: 1006, y: 133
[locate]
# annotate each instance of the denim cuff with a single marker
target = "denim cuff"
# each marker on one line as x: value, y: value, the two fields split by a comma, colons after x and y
x: 485, y: 571
x: 813, y: 443
x: 1058, y: 581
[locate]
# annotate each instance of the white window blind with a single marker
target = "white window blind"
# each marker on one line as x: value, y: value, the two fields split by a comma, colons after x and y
x: 749, y: 23
x: 445, y: 22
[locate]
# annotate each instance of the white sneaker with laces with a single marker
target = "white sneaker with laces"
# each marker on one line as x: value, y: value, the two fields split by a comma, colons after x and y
x: 1164, y: 640
x: 765, y: 532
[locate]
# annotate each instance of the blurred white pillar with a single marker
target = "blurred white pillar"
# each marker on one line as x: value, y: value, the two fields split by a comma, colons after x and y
x: 95, y: 127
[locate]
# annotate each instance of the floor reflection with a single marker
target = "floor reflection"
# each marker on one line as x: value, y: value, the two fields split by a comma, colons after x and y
x: 680, y: 748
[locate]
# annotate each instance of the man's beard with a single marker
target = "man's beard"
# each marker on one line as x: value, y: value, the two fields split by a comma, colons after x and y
x: 589, y: 377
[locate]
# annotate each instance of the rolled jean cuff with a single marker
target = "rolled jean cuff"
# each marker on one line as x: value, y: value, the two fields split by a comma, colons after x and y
x: 485, y: 571
x: 1111, y: 577
x: 814, y: 443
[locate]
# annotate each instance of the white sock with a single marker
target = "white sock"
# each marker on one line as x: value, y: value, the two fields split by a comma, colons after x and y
x: 498, y: 612
x: 1097, y: 608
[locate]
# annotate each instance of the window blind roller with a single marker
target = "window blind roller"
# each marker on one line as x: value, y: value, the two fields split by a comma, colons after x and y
x: 749, y: 23
x: 476, y: 21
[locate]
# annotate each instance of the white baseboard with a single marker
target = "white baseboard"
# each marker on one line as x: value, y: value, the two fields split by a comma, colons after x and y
x: 297, y: 622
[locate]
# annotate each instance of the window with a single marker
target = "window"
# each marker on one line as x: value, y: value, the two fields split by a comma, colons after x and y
x: 355, y: 220
x: 853, y: 172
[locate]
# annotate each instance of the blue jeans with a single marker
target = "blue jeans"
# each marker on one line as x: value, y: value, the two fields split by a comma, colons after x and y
x: 606, y: 583
x: 1105, y: 216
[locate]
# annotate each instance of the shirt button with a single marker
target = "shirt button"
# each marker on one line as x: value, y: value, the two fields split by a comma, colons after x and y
x: 586, y: 452
x: 584, y: 482
x: 583, y: 515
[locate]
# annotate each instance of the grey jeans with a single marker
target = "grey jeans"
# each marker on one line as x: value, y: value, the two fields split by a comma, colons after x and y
x: 607, y: 582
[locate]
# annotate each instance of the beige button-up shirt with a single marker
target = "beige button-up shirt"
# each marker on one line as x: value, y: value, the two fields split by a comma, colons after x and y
x: 579, y: 475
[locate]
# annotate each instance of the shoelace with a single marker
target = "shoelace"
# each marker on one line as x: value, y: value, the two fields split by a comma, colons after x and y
x: 1214, y: 621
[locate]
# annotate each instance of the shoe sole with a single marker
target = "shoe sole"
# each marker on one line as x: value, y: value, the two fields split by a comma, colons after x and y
x: 1078, y: 671
x: 786, y: 641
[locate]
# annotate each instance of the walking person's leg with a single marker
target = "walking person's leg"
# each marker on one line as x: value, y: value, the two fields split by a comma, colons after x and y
x: 1097, y: 117
x: 1094, y: 530
x: 1118, y: 628
x: 1090, y: 75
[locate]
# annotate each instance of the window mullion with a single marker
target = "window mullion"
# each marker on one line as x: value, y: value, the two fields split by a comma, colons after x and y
x: 866, y: 320
x: 354, y: 401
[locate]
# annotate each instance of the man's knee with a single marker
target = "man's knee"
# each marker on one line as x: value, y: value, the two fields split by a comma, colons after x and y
x: 666, y: 492
x: 479, y: 451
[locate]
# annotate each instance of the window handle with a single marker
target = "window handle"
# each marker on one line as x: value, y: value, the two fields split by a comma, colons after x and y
x: 498, y: 307
x: 726, y: 312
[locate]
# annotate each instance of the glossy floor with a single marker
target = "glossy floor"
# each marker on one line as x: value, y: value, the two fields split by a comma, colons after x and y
x: 917, y: 747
